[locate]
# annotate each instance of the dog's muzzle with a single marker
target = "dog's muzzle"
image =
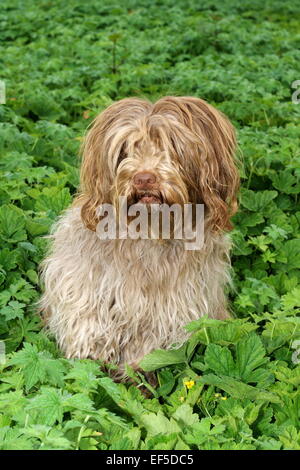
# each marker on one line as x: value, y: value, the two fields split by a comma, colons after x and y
x: 146, y: 188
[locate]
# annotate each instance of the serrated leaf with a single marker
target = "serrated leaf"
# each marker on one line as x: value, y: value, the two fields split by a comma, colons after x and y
x: 161, y: 358
x: 53, y: 200
x: 13, y: 310
x: 289, y: 254
x: 38, y: 366
x: 159, y: 424
x: 8, y: 259
x: 48, y: 405
x: 250, y: 354
x: 219, y: 360
x: 184, y: 415
x: 12, y: 224
x: 257, y: 201
x: 239, y: 389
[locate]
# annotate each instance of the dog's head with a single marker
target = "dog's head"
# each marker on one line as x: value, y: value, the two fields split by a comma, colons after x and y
x: 178, y: 150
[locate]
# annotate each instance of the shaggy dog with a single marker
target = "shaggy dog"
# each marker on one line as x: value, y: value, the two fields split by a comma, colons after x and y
x: 117, y: 300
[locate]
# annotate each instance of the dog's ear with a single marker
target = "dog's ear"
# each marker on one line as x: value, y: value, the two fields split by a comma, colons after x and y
x: 101, y: 151
x: 209, y: 157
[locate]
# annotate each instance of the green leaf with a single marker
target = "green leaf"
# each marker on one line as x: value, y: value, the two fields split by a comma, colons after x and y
x: 257, y: 201
x: 157, y: 423
x: 48, y: 406
x: 12, y: 224
x: 286, y: 182
x: 53, y: 200
x: 8, y: 259
x: 161, y: 358
x: 13, y: 310
x: 239, y: 389
x: 84, y: 376
x: 290, y: 438
x: 289, y: 254
x: 250, y: 354
x: 291, y: 299
x: 185, y: 417
x: 219, y: 360
x: 12, y: 439
x: 111, y: 388
x: 38, y: 366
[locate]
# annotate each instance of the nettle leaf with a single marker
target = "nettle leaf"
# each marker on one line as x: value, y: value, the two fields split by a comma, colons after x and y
x: 121, y: 444
x: 202, y: 323
x: 12, y: 224
x: 84, y: 375
x: 48, y: 406
x: 38, y: 366
x: 261, y: 242
x: 263, y: 291
x: 32, y: 276
x: 111, y: 388
x: 13, y: 310
x: 78, y: 401
x: 12, y: 403
x: 22, y: 290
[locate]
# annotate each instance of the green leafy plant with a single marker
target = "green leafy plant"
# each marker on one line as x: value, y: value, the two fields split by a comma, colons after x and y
x: 235, y: 383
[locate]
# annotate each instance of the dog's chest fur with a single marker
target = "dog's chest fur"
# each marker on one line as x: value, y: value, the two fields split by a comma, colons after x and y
x: 120, y: 299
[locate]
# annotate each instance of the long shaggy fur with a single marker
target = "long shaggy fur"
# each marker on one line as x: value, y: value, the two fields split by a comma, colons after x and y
x: 117, y: 300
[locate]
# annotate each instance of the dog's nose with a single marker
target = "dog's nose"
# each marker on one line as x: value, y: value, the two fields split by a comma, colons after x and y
x: 144, y: 179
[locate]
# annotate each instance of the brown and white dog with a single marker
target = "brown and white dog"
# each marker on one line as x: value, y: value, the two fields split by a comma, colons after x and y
x: 117, y: 300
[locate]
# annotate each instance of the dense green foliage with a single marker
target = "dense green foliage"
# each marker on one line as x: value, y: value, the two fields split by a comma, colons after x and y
x: 235, y: 384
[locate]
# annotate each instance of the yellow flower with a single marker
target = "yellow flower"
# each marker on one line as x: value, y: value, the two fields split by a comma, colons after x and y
x: 189, y: 383
x: 223, y: 398
x: 217, y: 395
x: 181, y: 399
